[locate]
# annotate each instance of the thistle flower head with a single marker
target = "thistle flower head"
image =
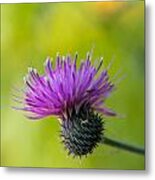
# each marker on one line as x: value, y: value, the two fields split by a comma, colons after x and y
x: 76, y: 95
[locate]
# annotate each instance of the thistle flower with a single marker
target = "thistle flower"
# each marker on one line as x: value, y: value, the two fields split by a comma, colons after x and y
x: 76, y: 96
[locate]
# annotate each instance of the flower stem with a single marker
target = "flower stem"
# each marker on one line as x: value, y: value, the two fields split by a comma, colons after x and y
x: 123, y: 146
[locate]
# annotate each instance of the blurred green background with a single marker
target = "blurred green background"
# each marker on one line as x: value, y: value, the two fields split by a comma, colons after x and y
x: 30, y: 33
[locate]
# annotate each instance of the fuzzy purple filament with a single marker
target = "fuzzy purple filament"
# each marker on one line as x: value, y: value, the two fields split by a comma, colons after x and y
x: 66, y: 87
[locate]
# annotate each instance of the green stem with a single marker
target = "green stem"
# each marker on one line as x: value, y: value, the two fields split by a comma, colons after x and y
x: 123, y: 146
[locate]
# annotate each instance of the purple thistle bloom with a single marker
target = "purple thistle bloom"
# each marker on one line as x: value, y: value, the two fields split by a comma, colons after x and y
x: 75, y: 95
